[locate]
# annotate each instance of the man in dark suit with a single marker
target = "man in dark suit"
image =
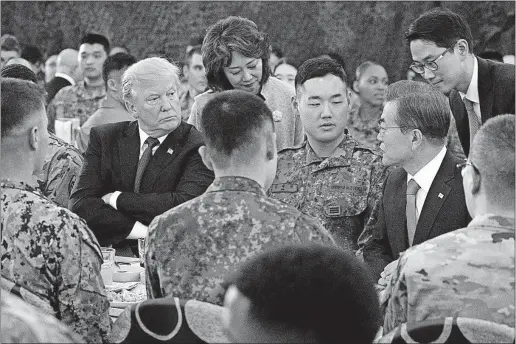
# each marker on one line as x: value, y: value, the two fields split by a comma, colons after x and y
x: 442, y: 49
x: 66, y: 72
x: 136, y: 170
x: 423, y: 196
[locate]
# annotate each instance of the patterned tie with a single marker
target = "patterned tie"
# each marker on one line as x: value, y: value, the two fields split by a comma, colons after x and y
x: 474, y: 123
x: 412, y: 189
x: 151, y: 142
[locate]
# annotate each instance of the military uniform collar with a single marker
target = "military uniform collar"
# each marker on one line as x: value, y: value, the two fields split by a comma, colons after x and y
x: 86, y: 92
x: 235, y: 184
x: 339, y: 158
x: 11, y: 184
x: 492, y: 220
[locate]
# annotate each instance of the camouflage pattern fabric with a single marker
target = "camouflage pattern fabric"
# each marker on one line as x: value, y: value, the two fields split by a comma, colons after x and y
x: 364, y: 130
x: 62, y: 166
x: 50, y: 252
x: 340, y: 191
x: 192, y: 247
x: 468, y: 273
x: 77, y: 101
x: 187, y: 101
x: 22, y: 323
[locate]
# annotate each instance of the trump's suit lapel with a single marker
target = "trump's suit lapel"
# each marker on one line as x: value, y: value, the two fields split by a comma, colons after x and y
x: 436, y: 197
x: 129, y: 154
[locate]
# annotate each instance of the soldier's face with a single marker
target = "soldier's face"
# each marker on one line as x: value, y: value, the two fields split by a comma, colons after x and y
x: 372, y: 85
x: 396, y: 145
x: 91, y: 59
x: 196, y: 74
x: 323, y: 105
x: 157, y: 107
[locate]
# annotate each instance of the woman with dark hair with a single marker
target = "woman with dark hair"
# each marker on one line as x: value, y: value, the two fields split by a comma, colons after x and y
x: 370, y: 84
x: 236, y: 56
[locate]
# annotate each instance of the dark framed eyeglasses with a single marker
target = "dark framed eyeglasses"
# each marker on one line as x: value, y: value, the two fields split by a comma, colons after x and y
x: 419, y: 67
x: 463, y: 165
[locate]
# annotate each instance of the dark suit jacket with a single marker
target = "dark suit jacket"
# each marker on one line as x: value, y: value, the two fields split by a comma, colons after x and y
x: 175, y: 174
x: 496, y: 94
x: 54, y: 86
x: 438, y: 216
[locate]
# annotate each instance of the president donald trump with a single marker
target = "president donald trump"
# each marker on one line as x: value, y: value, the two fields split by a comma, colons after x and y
x: 136, y: 170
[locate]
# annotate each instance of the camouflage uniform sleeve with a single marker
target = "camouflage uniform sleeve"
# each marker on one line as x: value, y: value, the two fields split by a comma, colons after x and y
x: 453, y: 144
x: 151, y: 269
x: 317, y: 232
x: 396, y: 305
x: 62, y: 174
x: 83, y: 302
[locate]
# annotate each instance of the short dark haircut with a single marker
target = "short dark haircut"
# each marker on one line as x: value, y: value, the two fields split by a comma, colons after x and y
x: 319, y: 67
x: 493, y: 153
x: 491, y: 55
x: 32, y: 54
x: 337, y: 57
x: 441, y: 26
x: 94, y: 38
x: 10, y: 43
x: 429, y: 112
x: 20, y: 99
x: 363, y: 67
x: 402, y: 87
x: 197, y: 49
x: 116, y: 62
x: 228, y: 35
x: 277, y: 51
x: 312, y: 288
x: 18, y: 71
x: 232, y: 122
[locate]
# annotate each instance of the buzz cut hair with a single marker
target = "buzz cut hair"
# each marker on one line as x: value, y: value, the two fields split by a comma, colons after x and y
x: 319, y: 67
x: 94, y: 38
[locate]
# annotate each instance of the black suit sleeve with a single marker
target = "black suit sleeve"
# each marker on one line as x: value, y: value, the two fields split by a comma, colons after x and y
x: 109, y: 225
x: 377, y: 250
x: 194, y: 181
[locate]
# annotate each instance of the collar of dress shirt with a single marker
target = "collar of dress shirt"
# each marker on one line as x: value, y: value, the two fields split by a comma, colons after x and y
x: 66, y: 77
x: 143, y: 137
x: 425, y: 176
x: 472, y: 93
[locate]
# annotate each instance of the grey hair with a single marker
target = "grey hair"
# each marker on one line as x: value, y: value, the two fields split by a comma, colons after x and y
x: 148, y: 71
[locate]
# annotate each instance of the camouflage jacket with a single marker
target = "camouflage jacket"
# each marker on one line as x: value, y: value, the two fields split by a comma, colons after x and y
x: 62, y: 166
x: 364, y: 131
x: 340, y: 191
x: 77, y: 101
x: 51, y: 254
x: 187, y: 101
x: 22, y: 323
x: 193, y: 246
x: 468, y: 273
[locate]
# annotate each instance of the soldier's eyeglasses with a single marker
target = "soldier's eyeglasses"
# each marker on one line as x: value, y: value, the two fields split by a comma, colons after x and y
x: 419, y: 67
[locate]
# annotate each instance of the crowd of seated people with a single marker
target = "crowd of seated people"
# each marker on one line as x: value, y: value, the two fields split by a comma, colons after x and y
x: 314, y: 209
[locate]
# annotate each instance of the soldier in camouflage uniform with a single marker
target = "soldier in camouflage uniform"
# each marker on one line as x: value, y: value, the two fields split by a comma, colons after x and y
x: 330, y: 176
x: 62, y: 166
x: 468, y: 272
x: 82, y: 100
x: 192, y: 247
x: 47, y: 251
x: 22, y: 323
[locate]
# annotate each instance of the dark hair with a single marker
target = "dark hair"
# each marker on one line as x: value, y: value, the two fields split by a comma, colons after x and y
x: 196, y: 49
x: 277, y: 51
x: 336, y: 57
x: 491, y: 55
x: 319, y: 67
x: 402, y: 87
x: 32, y: 54
x: 441, y: 26
x: 232, y: 121
x: 18, y: 71
x: 363, y: 67
x: 93, y: 38
x: 116, y: 62
x: 312, y: 288
x: 10, y: 43
x: 20, y: 99
x: 492, y: 153
x: 429, y: 112
x: 228, y: 35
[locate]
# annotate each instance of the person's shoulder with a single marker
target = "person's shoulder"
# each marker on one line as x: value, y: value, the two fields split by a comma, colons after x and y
x: 109, y: 129
x: 279, y: 89
x: 289, y: 152
x: 203, y: 98
x: 66, y: 92
x: 62, y: 148
x: 192, y: 136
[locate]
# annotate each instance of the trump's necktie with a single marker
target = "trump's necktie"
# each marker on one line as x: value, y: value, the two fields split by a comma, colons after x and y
x: 412, y: 189
x: 474, y: 122
x: 144, y: 161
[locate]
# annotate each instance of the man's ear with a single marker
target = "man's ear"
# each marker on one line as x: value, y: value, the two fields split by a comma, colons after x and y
x: 463, y: 48
x: 185, y: 70
x: 131, y: 108
x: 112, y: 85
x: 417, y: 138
x: 205, y: 156
x: 34, y: 138
x: 355, y: 86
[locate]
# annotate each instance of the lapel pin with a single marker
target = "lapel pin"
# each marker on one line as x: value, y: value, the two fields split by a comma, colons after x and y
x: 440, y: 195
x: 170, y: 151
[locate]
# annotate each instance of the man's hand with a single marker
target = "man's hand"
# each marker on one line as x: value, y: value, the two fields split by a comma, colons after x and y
x: 106, y: 197
x: 387, y: 272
